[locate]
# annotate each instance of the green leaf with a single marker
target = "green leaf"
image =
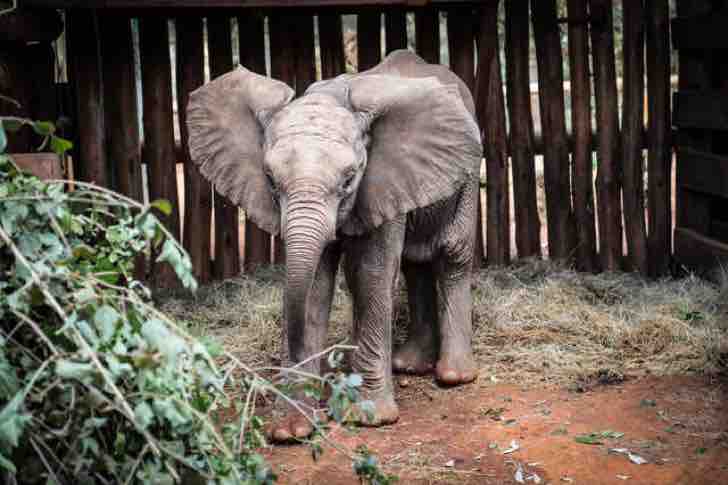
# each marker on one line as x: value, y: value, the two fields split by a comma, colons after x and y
x: 3, y: 138
x: 80, y: 371
x: 144, y: 414
x: 7, y: 464
x: 12, y: 422
x: 588, y: 439
x: 162, y: 206
x: 60, y: 145
x: 44, y: 128
x: 105, y: 319
x: 13, y: 123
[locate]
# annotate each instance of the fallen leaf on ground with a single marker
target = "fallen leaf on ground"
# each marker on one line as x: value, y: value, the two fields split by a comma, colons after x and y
x: 514, y: 447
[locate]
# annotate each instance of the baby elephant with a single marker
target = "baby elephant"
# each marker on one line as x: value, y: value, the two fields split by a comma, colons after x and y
x: 381, y: 167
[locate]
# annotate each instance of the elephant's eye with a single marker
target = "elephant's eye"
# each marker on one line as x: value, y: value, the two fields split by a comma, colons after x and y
x: 349, y: 182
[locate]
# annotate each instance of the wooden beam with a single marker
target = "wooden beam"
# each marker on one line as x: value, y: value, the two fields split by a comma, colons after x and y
x: 493, y: 123
x: 158, y: 129
x: 197, y: 190
x: 369, y: 39
x: 703, y: 172
x: 227, y: 214
x: 528, y: 224
x: 659, y: 153
x: 632, y: 126
x: 560, y: 217
x: 586, y: 255
x: 84, y: 51
x: 231, y: 3
x: 252, y: 56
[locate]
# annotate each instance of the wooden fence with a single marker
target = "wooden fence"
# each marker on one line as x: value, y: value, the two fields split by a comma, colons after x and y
x: 584, y: 220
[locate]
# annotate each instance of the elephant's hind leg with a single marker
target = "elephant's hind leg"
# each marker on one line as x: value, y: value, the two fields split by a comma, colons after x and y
x: 418, y: 354
x: 292, y: 425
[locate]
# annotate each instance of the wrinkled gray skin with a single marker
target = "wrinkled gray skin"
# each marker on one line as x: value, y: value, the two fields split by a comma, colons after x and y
x: 380, y: 167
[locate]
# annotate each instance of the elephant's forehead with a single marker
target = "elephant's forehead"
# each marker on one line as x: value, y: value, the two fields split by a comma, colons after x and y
x: 314, y: 118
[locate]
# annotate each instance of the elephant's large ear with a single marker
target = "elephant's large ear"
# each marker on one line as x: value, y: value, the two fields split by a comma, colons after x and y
x: 424, y: 145
x: 226, y: 138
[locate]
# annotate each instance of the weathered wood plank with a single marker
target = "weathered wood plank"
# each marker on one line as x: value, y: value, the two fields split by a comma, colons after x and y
x: 198, y: 191
x: 560, y: 217
x: 632, y: 126
x: 15, y: 86
x: 39, y: 72
x: 703, y: 172
x: 528, y: 224
x: 608, y: 183
x: 659, y: 153
x: 226, y: 3
x: 698, y: 251
x: 702, y: 32
x: 369, y: 39
x: 427, y: 34
x: 582, y: 150
x: 705, y: 110
x: 395, y: 29
x: 120, y: 104
x: 158, y: 129
x: 84, y: 48
x: 462, y: 62
x: 252, y: 56
x: 331, y: 39
x: 493, y: 122
x: 227, y: 215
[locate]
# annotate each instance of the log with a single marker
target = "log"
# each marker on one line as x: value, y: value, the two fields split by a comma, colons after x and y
x: 633, y: 194
x: 427, y: 34
x: 608, y: 172
x: 461, y: 28
x: 158, y: 130
x: 493, y: 122
x: 227, y: 215
x: 85, y: 63
x: 586, y: 256
x: 331, y: 39
x: 122, y: 123
x: 395, y: 21
x: 252, y: 56
x: 560, y: 216
x: 198, y: 191
x: 528, y: 224
x: 30, y: 25
x: 369, y: 39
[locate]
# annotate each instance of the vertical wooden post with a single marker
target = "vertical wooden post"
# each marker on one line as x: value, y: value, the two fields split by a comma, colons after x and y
x: 632, y: 132
x: 159, y: 151
x: 528, y: 225
x: 84, y: 48
x: 395, y: 21
x: 198, y: 192
x: 331, y: 39
x: 40, y: 73
x: 427, y: 34
x: 369, y: 39
x: 560, y: 217
x: 492, y: 119
x: 659, y: 154
x: 14, y: 86
x: 252, y: 56
x: 586, y: 257
x: 227, y: 215
x: 461, y: 37
x: 120, y: 103
x: 608, y: 184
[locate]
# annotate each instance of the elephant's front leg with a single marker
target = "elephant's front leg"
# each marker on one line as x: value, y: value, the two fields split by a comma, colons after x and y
x: 292, y: 425
x: 372, y: 269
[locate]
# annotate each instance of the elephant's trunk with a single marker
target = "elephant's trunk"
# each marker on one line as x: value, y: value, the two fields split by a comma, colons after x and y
x: 308, y: 226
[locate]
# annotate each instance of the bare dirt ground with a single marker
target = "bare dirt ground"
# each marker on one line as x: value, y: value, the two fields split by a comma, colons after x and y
x: 679, y: 425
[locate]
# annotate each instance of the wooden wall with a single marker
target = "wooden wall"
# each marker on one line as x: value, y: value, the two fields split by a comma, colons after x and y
x: 598, y: 215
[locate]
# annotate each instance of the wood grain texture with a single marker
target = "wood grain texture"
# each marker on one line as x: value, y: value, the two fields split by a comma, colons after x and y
x: 159, y: 146
x: 331, y: 39
x: 528, y: 224
x: 85, y: 53
x: 559, y: 213
x: 198, y: 191
x: 252, y: 56
x: 633, y: 194
x: 586, y: 257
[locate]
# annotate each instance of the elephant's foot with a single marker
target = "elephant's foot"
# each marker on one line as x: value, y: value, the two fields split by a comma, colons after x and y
x: 414, y: 358
x: 454, y: 369
x: 382, y: 411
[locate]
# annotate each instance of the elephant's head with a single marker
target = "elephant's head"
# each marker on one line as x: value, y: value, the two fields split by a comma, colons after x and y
x: 354, y: 152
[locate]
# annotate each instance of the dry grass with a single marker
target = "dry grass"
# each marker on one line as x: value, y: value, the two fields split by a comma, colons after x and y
x: 534, y: 322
